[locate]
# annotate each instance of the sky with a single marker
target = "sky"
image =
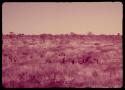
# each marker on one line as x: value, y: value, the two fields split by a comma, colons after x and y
x: 62, y: 17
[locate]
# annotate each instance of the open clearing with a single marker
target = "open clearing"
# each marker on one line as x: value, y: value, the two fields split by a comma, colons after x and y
x: 62, y: 61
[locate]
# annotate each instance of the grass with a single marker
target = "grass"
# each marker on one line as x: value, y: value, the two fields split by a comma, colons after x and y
x: 78, y: 63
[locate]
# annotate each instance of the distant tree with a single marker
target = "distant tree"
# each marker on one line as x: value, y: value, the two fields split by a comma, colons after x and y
x: 72, y: 33
x: 11, y: 33
x: 118, y: 34
x: 20, y: 34
x: 90, y: 33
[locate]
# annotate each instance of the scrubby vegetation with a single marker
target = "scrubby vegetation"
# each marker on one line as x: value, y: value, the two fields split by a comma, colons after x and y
x: 46, y: 60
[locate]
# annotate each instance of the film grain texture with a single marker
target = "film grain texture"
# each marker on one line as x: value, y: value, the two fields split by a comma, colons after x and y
x: 62, y: 61
x: 55, y: 45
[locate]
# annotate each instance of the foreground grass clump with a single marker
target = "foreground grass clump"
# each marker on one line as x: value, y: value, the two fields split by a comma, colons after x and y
x: 60, y: 61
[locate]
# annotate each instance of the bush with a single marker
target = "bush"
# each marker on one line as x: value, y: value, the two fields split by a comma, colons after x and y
x: 89, y: 58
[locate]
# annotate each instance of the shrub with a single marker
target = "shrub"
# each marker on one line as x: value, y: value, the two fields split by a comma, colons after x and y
x: 89, y: 58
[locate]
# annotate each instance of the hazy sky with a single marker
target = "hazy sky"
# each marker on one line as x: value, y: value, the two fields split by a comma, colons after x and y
x: 61, y: 18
